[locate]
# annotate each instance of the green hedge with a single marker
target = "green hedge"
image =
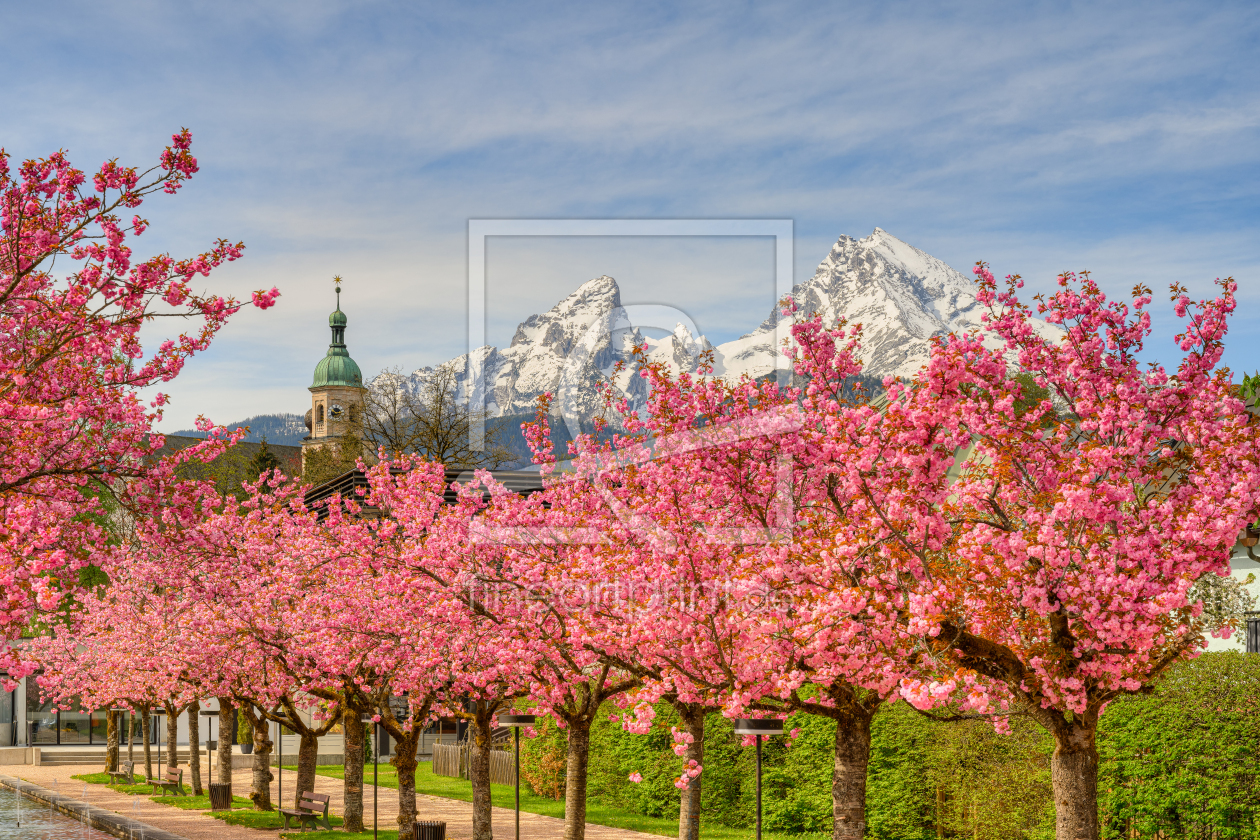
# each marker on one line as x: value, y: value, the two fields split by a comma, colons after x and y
x: 1184, y: 760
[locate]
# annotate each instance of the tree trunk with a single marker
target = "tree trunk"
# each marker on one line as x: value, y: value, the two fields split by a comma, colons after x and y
x: 111, y: 741
x: 405, y: 763
x: 308, y: 752
x: 194, y: 746
x: 261, y: 792
x: 1074, y: 776
x: 172, y: 737
x: 848, y: 781
x: 479, y: 771
x: 131, y: 737
x: 146, y: 732
x: 689, y: 816
x: 575, y: 777
x: 227, y: 728
x: 352, y: 810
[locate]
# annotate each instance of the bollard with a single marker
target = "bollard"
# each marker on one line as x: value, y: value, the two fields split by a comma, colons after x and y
x: 428, y: 830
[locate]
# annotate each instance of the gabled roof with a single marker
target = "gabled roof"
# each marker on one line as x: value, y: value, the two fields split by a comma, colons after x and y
x: 522, y: 482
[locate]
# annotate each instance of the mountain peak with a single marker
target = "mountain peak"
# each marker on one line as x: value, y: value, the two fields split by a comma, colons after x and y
x: 901, y: 295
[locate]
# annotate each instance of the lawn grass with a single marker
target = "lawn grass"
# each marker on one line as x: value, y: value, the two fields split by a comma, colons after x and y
x: 186, y: 803
x: 271, y: 820
x: 392, y: 834
x: 503, y: 797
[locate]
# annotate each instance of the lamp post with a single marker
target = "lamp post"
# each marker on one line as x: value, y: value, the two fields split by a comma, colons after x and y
x: 758, y: 728
x: 115, y: 710
x: 515, y: 722
x: 210, y: 715
x: 280, y: 763
x: 158, y: 714
x: 376, y: 763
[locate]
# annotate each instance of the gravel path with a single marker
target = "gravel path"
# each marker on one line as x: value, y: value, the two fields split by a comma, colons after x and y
x: 195, y: 825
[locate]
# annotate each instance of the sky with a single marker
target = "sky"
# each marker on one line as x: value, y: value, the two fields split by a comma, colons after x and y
x: 359, y: 138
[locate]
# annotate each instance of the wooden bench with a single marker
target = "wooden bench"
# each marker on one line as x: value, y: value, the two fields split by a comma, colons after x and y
x: 124, y: 774
x: 174, y: 781
x: 312, y: 810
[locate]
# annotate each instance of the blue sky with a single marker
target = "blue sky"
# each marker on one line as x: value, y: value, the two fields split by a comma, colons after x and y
x: 359, y: 138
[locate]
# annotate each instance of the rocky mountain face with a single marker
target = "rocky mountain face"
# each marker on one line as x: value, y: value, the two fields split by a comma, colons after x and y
x: 901, y: 296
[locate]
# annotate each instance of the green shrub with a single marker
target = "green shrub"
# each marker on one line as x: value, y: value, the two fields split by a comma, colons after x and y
x: 543, y: 759
x: 1183, y: 759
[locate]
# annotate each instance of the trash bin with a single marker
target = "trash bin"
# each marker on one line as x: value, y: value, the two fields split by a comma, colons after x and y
x: 428, y: 830
x: 220, y: 797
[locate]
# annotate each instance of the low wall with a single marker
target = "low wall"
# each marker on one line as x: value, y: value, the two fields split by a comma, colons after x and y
x: 98, y: 818
x: 19, y: 755
x: 244, y: 762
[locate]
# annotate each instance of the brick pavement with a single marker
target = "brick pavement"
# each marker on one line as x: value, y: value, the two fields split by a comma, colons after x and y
x: 195, y: 825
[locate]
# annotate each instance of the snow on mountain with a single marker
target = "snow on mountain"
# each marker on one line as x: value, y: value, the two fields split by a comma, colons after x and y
x: 901, y: 296
x: 567, y: 351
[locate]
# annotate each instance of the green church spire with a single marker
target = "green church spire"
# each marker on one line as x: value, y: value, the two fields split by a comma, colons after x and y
x: 337, y: 368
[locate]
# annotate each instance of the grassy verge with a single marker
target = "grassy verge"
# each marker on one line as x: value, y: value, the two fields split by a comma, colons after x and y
x: 242, y: 812
x: 503, y: 797
x: 271, y: 820
x: 186, y: 803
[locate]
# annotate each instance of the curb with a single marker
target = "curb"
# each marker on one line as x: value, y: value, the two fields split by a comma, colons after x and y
x: 98, y: 818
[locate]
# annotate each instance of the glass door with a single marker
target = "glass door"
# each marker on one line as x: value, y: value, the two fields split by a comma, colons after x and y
x: 41, y: 718
x: 8, y: 720
x: 76, y: 725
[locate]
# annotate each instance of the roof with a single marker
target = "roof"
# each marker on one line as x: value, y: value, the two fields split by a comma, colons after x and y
x: 522, y: 482
x: 337, y: 368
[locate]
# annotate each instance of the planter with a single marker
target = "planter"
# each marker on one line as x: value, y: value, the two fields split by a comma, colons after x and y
x: 247, y: 749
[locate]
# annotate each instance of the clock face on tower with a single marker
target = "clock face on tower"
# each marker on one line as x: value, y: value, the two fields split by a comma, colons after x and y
x: 336, y: 411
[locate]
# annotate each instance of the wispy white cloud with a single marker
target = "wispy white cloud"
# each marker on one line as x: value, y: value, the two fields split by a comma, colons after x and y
x: 358, y: 138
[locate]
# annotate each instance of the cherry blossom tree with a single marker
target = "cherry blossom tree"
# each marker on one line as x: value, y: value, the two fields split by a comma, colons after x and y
x: 714, y: 516
x: 1059, y: 564
x: 72, y: 304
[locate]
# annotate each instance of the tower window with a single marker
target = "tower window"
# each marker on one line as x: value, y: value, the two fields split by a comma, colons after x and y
x: 319, y: 413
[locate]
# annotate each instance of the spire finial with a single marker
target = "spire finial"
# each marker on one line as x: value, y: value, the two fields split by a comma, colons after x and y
x: 337, y: 280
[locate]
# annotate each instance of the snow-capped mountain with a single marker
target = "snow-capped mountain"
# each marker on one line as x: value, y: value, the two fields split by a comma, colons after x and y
x: 901, y: 295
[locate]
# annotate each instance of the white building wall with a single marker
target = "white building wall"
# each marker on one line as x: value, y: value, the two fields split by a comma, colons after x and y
x: 1240, y: 566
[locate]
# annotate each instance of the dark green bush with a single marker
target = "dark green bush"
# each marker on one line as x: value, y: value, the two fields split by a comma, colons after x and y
x: 1183, y: 760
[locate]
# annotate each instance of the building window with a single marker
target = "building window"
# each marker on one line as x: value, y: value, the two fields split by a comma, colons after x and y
x: 319, y: 413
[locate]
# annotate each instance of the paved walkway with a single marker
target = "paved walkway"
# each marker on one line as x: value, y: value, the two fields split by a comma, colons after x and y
x: 195, y: 825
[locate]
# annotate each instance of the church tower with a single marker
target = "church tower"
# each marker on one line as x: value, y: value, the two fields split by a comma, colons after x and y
x: 337, y: 390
